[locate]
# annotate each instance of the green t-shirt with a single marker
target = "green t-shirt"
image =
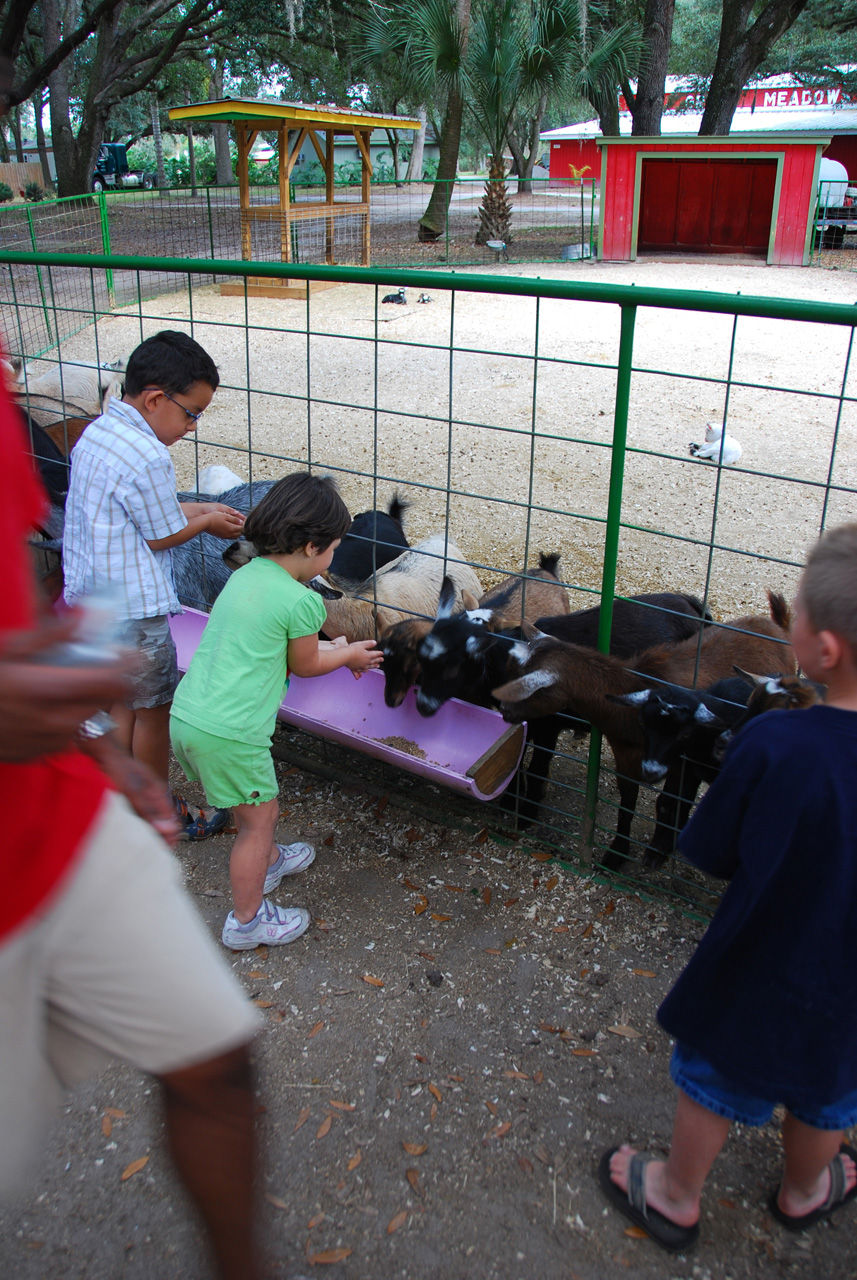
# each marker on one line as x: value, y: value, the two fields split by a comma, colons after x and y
x: 238, y: 676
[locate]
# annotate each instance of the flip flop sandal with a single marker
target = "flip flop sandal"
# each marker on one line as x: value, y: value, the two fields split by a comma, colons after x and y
x: 837, y: 1196
x: 668, y: 1234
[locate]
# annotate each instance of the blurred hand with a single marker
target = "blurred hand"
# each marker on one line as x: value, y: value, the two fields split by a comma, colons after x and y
x: 42, y: 706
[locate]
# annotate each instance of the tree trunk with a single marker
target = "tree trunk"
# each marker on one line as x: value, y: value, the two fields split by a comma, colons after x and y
x: 739, y: 52
x: 606, y: 104
x: 220, y: 132
x: 74, y: 156
x: 414, y: 170
x: 393, y: 139
x: 495, y: 211
x: 158, y: 140
x: 433, y: 222
x: 15, y: 123
x: 657, y: 34
x: 38, y: 107
x: 4, y: 146
x: 524, y: 150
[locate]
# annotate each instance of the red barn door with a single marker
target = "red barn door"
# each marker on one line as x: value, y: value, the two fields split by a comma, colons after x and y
x: 707, y: 205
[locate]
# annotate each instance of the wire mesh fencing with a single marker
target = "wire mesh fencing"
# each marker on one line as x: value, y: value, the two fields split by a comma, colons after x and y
x: 518, y: 417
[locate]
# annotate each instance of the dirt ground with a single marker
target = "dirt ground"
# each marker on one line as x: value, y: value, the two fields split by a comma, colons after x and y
x: 467, y: 1025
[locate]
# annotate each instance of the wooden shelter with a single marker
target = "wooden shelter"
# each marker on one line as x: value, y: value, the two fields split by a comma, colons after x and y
x: 293, y: 123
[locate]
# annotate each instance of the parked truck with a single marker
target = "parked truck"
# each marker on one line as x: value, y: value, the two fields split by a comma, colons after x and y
x: 836, y: 208
x: 113, y: 172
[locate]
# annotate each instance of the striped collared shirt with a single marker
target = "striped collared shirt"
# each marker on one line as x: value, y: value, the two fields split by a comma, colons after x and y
x: 121, y: 497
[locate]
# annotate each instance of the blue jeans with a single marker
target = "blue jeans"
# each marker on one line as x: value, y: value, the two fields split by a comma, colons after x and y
x: 702, y: 1082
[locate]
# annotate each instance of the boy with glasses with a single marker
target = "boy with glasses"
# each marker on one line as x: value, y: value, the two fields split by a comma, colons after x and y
x: 122, y: 520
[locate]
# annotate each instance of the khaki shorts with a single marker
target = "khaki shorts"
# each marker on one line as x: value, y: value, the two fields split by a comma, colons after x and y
x: 119, y: 964
x: 157, y: 679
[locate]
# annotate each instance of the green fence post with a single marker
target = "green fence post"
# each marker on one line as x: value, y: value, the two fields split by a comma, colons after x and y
x: 32, y: 227
x: 611, y: 547
x: 105, y: 240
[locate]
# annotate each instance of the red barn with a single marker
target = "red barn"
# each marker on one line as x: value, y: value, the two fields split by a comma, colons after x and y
x: 750, y: 194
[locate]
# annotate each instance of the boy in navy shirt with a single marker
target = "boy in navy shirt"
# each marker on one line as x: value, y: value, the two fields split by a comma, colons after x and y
x: 766, y: 1010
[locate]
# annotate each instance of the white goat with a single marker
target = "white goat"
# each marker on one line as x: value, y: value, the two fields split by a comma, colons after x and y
x: 76, y: 389
x: 216, y: 478
x: 406, y: 586
x: 711, y: 449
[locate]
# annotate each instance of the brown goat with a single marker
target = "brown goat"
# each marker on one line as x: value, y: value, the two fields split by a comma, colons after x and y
x: 566, y: 678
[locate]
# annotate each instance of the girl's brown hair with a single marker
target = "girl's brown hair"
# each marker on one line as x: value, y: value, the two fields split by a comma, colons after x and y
x: 299, y: 509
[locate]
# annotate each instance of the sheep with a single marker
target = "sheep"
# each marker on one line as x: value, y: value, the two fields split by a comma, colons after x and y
x: 408, y: 586
x: 557, y: 677
x: 216, y: 479
x: 374, y: 539
x: 72, y: 389
x: 728, y: 452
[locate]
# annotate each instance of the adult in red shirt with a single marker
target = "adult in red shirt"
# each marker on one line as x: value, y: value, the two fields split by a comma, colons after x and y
x: 101, y: 951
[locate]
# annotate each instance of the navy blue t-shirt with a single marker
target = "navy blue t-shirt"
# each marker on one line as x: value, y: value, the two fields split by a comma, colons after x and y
x: 770, y: 995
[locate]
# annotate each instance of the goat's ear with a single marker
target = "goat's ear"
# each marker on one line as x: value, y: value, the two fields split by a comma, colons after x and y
x: 525, y: 686
x: 324, y: 589
x: 529, y: 632
x: 239, y: 553
x: 636, y: 699
x: 468, y: 601
x: 702, y: 715
x: 446, y: 603
x: 749, y: 677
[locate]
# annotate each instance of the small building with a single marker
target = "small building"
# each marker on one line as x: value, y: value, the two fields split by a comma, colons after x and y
x: 753, y: 194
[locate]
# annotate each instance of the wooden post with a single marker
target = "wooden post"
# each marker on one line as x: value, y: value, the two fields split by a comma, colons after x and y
x: 285, y: 202
x: 363, y: 136
x: 242, y: 135
x: 329, y: 195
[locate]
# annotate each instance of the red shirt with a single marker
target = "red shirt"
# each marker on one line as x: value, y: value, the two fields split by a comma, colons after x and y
x: 47, y: 805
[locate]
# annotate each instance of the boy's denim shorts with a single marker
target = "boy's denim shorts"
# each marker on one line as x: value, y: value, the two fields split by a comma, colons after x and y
x: 231, y: 772
x: 154, y: 684
x: 702, y: 1082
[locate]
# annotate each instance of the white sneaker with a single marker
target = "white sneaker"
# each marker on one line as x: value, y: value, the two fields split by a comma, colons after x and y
x: 271, y: 926
x: 293, y: 858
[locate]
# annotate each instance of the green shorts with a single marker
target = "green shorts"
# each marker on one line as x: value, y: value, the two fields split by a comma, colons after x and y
x: 231, y: 772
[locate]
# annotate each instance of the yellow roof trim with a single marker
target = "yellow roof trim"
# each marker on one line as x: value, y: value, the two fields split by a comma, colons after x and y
x: 299, y: 114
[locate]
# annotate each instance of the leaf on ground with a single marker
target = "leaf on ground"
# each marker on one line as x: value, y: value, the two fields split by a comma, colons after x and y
x: 560, y: 928
x: 106, y: 1126
x: 342, y: 1106
x: 435, y: 916
x: 552, y: 884
x: 538, y: 1077
x: 409, y: 884
x: 421, y: 905
x: 328, y: 840
x: 727, y: 1204
x: 302, y: 1119
x: 115, y: 1113
x: 501, y: 1130
x: 457, y: 1079
x: 609, y: 909
x: 420, y: 1057
x: 630, y: 1033
x: 541, y: 857
x: 316, y: 1221
x: 542, y: 1154
x: 134, y: 1167
x: 510, y: 942
x: 263, y: 1004
x: 491, y: 1107
x: 415, y: 1148
x: 323, y: 926
x: 454, y: 888
x: 548, y: 1026
x: 636, y: 1233
x: 256, y: 973
x: 433, y: 1112
x: 398, y: 1221
x: 354, y: 1161
x: 427, y: 955
x: 515, y: 1075
x: 510, y: 902
x: 584, y: 1053
x: 381, y: 805
x: 327, y: 1255
x: 643, y: 973
x: 435, y: 1092
x: 492, y: 951
x: 275, y: 1201
x: 373, y: 982
x: 482, y: 836
x: 318, y: 1026
x: 324, y: 1128
x: 413, y: 1177
x: 486, y: 896
x: 412, y: 835
x: 588, y: 930
x: 583, y: 972
x: 526, y: 1165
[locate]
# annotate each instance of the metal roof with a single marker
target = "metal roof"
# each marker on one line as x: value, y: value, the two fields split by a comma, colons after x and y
x: 764, y: 120
x: 268, y: 113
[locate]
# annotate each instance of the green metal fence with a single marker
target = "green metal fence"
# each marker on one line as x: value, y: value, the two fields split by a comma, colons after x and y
x: 519, y: 415
x: 205, y: 223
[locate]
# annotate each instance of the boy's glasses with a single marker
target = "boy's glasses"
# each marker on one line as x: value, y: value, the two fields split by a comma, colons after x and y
x: 196, y: 416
